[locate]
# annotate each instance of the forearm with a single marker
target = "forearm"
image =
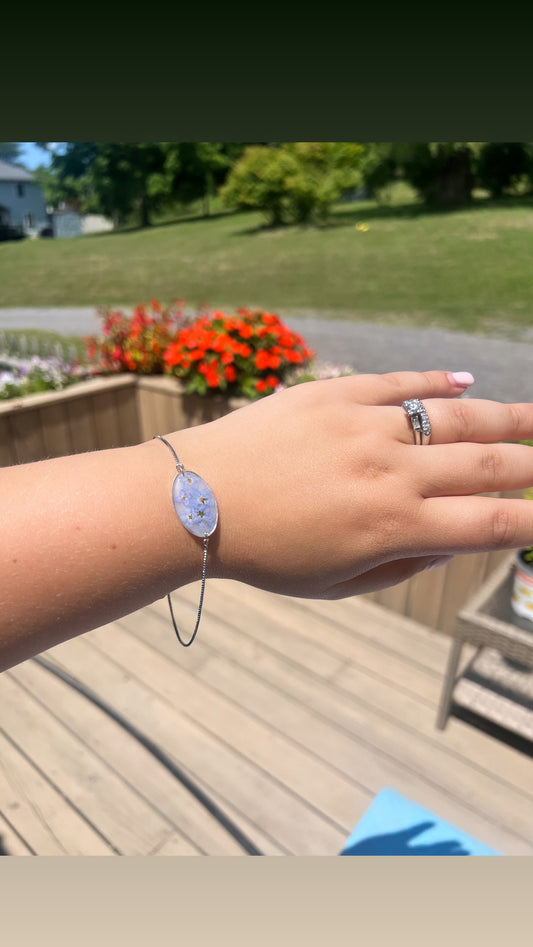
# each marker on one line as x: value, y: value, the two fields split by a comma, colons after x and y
x: 321, y: 493
x: 86, y: 539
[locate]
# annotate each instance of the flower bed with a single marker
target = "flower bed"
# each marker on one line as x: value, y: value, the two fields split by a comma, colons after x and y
x: 21, y: 376
x: 249, y: 354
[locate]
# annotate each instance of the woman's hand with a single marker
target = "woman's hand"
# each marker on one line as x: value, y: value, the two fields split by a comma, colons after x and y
x: 323, y: 492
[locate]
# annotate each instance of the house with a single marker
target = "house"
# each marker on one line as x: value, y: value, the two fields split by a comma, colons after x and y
x: 22, y: 206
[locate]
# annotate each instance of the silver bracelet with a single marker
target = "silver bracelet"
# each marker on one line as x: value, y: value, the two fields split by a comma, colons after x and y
x: 196, y: 508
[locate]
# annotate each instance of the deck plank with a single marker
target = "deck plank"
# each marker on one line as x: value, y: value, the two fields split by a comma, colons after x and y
x: 362, y: 637
x: 177, y: 845
x: 131, y: 761
x: 10, y: 841
x: 128, y: 824
x: 397, y: 731
x: 302, y: 773
x: 290, y: 714
x: 278, y: 813
x: 40, y: 814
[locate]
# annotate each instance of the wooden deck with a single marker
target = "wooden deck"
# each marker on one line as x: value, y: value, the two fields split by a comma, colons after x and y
x: 290, y: 714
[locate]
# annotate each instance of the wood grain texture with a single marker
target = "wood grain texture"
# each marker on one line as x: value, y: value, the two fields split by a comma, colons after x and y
x: 291, y: 715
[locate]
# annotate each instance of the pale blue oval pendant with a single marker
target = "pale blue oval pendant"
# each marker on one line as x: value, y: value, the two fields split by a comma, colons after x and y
x: 195, y: 503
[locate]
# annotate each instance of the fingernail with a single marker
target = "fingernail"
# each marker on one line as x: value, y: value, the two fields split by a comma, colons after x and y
x: 461, y: 379
x: 441, y: 561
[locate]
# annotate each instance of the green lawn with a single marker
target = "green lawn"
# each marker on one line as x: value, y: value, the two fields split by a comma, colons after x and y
x: 467, y: 269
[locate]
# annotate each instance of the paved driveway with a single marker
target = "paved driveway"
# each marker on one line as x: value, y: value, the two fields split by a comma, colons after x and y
x: 503, y: 369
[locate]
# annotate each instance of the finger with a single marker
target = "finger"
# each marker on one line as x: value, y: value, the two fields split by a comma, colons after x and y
x: 395, y: 387
x: 476, y: 524
x: 474, y: 420
x: 384, y: 576
x: 465, y: 469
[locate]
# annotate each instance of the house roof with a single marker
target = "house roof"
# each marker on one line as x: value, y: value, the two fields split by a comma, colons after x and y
x: 11, y: 172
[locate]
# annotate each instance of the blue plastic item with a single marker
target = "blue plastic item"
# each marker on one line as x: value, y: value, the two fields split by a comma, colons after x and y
x: 393, y: 825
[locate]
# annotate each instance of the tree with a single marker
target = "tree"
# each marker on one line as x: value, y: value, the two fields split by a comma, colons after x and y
x: 122, y: 180
x: 10, y: 151
x: 501, y: 165
x: 443, y: 173
x: 125, y: 179
x: 294, y: 182
x: 379, y: 166
x: 198, y: 169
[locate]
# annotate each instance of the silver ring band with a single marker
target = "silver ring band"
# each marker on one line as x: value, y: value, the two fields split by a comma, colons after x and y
x: 418, y: 417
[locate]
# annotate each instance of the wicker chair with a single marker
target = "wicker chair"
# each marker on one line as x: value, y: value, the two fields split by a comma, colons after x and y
x: 488, y: 622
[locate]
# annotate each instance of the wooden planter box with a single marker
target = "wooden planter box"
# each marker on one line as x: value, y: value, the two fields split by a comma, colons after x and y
x: 127, y: 409
x: 102, y: 413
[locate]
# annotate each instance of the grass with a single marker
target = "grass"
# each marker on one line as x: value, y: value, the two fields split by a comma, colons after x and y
x: 468, y: 269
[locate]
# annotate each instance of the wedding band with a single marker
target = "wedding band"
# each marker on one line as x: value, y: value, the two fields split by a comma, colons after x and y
x: 419, y: 420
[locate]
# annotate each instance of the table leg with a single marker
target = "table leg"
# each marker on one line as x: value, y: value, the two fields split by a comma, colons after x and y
x: 449, y: 683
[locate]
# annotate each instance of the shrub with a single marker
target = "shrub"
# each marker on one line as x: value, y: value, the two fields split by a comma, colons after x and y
x: 249, y: 354
x: 295, y: 182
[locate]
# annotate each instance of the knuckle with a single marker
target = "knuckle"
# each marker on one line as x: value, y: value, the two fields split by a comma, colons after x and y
x: 411, y: 384
x: 491, y: 465
x: 461, y: 425
x: 516, y: 420
x: 433, y: 382
x: 501, y: 528
x: 396, y: 382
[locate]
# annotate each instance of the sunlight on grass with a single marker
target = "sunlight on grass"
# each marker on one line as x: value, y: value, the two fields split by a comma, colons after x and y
x: 391, y: 261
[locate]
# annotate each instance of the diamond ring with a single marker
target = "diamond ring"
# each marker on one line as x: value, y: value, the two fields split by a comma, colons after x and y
x: 419, y: 420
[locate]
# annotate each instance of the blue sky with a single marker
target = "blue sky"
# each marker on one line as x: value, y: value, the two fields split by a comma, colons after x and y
x: 32, y: 156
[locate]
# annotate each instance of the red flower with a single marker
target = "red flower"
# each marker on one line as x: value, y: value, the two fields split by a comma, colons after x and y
x: 262, y: 360
x: 245, y: 330
x: 213, y: 352
x: 212, y: 377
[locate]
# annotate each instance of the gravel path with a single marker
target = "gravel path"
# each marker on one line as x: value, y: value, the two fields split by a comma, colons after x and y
x: 503, y: 369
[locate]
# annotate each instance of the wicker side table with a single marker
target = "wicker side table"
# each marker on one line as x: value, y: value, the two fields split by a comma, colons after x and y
x: 487, y: 621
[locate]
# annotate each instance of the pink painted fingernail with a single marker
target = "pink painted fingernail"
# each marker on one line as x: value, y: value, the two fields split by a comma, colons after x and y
x: 461, y: 379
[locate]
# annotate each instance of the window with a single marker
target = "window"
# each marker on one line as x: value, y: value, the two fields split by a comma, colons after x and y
x: 20, y: 190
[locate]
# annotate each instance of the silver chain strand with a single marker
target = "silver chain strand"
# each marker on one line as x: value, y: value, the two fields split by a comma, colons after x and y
x: 186, y: 644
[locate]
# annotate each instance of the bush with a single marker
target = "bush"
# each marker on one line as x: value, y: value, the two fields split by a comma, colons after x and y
x: 136, y: 343
x: 296, y: 182
x: 249, y: 354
